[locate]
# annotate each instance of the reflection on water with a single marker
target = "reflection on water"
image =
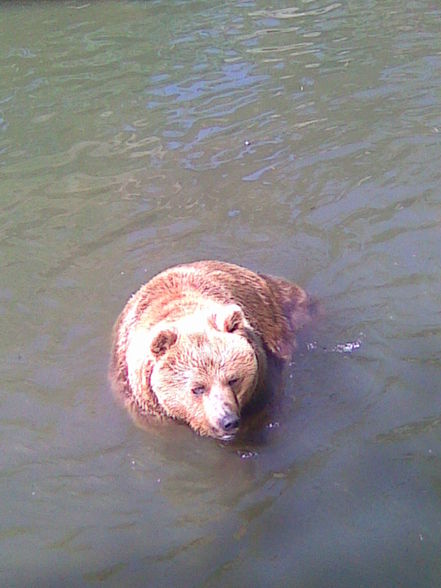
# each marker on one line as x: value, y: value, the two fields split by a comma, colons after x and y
x: 296, y: 140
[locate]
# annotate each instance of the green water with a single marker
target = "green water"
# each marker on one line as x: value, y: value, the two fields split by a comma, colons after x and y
x: 301, y: 139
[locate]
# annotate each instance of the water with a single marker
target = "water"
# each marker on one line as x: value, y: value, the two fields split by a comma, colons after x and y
x: 299, y: 139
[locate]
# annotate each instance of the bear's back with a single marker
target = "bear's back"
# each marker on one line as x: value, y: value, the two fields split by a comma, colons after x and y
x: 275, y: 308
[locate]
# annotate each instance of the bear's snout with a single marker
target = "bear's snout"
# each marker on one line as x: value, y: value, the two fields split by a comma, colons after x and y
x: 230, y: 423
x: 222, y: 411
x: 226, y: 426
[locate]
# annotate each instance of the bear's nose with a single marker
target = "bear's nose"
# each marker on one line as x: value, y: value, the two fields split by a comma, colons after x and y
x: 230, y: 423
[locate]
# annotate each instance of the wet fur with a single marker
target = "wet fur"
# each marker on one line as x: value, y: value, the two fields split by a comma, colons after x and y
x: 274, y: 310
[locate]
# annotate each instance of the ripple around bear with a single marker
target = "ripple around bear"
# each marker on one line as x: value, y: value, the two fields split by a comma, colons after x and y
x: 193, y: 343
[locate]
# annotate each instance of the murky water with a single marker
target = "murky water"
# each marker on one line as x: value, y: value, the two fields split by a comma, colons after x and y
x: 297, y: 138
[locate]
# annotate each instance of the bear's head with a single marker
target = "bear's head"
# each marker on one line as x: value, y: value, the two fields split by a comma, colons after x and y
x: 204, y: 374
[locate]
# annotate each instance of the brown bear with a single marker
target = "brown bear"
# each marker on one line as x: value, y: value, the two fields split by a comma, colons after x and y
x: 193, y: 343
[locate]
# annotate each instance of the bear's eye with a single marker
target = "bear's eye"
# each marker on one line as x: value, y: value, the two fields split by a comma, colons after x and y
x: 233, y: 381
x: 198, y: 390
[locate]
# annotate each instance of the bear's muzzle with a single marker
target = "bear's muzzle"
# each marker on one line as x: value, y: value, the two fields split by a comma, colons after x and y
x: 222, y: 411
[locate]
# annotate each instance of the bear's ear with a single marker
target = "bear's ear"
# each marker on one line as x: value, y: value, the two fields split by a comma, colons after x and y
x: 162, y: 341
x: 228, y: 319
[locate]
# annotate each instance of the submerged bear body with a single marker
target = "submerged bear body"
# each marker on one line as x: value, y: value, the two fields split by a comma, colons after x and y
x: 193, y: 343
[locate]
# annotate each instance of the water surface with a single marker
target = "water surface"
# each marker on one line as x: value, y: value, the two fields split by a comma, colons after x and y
x: 299, y: 139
